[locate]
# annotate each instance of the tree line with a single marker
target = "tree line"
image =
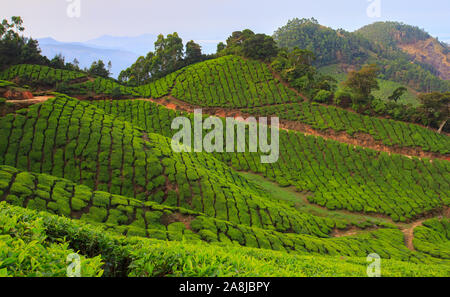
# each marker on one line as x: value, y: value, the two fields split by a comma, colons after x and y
x: 17, y: 49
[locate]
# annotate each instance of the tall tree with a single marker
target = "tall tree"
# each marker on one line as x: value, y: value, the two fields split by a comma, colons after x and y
x: 193, y: 52
x: 436, y: 108
x: 16, y: 49
x: 58, y: 61
x: 259, y: 46
x: 362, y: 83
x: 76, y: 64
x: 98, y: 68
x: 220, y: 47
x: 109, y: 67
x: 168, y: 54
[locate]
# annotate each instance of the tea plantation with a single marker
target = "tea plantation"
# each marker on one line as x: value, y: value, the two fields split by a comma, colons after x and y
x: 99, y: 178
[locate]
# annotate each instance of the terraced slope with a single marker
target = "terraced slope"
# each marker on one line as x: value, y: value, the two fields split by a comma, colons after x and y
x: 109, y: 164
x: 69, y: 138
x: 433, y: 238
x: 247, y: 86
x: 81, y: 84
x: 132, y: 217
x: 41, y: 73
x: 340, y: 176
x: 103, y: 252
x: 231, y: 81
x: 389, y: 132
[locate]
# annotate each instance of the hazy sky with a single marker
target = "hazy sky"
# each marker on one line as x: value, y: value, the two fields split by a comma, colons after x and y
x: 213, y: 19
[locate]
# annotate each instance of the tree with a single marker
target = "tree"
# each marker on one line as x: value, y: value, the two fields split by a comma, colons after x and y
x: 436, y: 108
x: 238, y: 37
x: 220, y: 47
x: 362, y: 83
x: 98, y: 68
x: 235, y: 41
x: 76, y: 64
x: 193, y: 53
x: 16, y: 49
x: 259, y: 46
x: 109, y: 67
x: 58, y: 61
x: 140, y: 72
x: 296, y: 67
x: 168, y: 54
x: 397, y: 94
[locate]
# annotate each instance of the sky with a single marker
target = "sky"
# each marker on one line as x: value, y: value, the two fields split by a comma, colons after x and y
x: 214, y: 20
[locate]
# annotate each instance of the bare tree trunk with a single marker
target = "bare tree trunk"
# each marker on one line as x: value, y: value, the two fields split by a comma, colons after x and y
x: 442, y: 126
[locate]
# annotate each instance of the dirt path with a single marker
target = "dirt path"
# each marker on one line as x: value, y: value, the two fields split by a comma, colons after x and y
x: 408, y: 230
x: 359, y: 139
x: 353, y: 230
x: 34, y: 100
x: 409, y: 234
x: 315, y: 209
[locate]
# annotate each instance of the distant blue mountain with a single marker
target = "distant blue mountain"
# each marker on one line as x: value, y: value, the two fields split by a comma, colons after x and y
x: 122, y: 51
x: 85, y: 54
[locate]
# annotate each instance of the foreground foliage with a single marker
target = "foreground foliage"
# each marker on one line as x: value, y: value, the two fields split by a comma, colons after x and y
x: 135, y: 256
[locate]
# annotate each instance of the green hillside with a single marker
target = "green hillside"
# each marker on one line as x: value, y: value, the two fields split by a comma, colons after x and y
x: 389, y: 34
x: 387, y: 87
x: 114, y: 255
x: 231, y: 81
x: 100, y: 177
x: 218, y: 206
x: 313, y: 152
x: 375, y: 43
x: 333, y: 171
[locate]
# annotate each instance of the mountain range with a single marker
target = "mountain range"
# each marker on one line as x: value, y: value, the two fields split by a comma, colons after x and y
x: 122, y: 51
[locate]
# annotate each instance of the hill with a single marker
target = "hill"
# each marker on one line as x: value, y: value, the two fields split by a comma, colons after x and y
x: 110, y: 254
x: 217, y: 213
x: 103, y: 173
x: 232, y: 84
x: 391, y: 45
x: 419, y: 45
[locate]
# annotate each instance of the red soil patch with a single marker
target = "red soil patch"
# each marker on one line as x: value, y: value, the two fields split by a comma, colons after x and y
x: 171, y: 106
x: 17, y: 95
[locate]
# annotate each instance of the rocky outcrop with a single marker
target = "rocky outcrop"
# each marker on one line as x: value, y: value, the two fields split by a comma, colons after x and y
x: 430, y: 52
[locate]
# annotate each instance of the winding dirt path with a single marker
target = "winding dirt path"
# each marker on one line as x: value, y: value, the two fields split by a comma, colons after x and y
x: 359, y: 139
x: 34, y: 100
x: 409, y: 234
x: 408, y: 230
